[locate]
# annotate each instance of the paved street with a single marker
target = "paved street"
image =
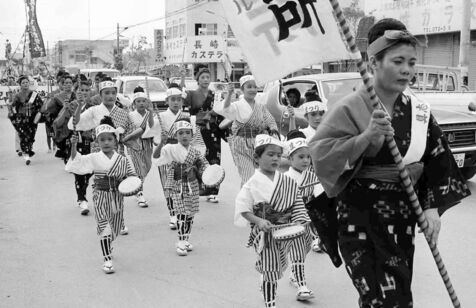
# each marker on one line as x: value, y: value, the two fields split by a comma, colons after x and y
x: 50, y: 254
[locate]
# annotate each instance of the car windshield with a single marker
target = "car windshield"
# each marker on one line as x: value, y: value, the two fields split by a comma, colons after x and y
x: 334, y: 90
x: 155, y: 85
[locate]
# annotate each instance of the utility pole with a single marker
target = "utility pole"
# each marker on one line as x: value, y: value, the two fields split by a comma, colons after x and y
x: 117, y: 39
x: 465, y: 40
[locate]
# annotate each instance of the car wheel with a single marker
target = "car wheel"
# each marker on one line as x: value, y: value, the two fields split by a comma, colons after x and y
x: 468, y: 172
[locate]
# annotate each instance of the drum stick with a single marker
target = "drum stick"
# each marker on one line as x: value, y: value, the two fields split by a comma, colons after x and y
x: 397, y: 157
x: 309, y: 185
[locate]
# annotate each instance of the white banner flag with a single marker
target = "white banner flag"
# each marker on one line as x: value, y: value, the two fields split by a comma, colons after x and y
x: 279, y: 37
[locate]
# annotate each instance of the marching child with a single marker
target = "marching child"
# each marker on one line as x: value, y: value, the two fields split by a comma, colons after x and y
x: 109, y: 168
x: 140, y: 149
x: 174, y: 99
x: 313, y: 112
x: 269, y: 198
x: 300, y: 170
x: 185, y: 164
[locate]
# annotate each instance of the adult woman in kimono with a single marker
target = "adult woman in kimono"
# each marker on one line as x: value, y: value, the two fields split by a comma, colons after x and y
x: 375, y: 220
x: 200, y: 103
x: 250, y: 118
x: 26, y: 105
x: 109, y: 170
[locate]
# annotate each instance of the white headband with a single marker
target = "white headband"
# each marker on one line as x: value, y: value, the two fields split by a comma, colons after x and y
x: 295, y: 144
x: 314, y: 106
x: 105, y: 128
x: 139, y: 95
x: 264, y: 139
x: 245, y: 79
x: 175, y: 91
x: 106, y: 84
x: 181, y: 125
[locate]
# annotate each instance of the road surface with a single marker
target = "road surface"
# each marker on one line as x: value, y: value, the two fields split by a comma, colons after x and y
x: 50, y: 254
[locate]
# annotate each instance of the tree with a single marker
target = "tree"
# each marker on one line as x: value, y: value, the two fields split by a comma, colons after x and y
x: 353, y: 14
x: 139, y: 54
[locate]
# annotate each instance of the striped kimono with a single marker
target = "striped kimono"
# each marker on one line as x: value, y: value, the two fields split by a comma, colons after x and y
x: 282, y: 196
x: 141, y: 151
x: 184, y: 168
x: 166, y: 120
x: 248, y: 121
x: 91, y: 118
x: 308, y: 193
x: 108, y: 204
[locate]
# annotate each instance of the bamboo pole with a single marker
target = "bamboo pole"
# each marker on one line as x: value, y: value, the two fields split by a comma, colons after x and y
x: 397, y: 157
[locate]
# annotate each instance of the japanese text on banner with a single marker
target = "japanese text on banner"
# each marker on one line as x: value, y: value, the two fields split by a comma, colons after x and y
x: 294, y: 34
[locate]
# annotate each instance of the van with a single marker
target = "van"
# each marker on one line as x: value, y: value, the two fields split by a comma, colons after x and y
x: 437, y: 78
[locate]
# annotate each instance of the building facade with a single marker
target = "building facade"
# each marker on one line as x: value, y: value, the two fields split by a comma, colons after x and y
x: 87, y: 54
x: 197, y: 32
x: 436, y: 23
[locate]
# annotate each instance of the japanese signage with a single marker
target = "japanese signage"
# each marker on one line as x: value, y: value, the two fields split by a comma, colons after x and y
x: 279, y: 37
x: 37, y: 46
x: 158, y: 42
x: 195, y: 49
x: 424, y: 16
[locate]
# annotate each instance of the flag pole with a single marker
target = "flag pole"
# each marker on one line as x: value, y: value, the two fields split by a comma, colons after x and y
x: 397, y: 157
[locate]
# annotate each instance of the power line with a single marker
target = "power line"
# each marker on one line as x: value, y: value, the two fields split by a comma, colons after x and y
x: 189, y: 7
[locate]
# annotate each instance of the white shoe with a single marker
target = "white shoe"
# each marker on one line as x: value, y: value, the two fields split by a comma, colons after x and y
x: 316, y: 247
x: 173, y: 223
x: 83, y: 205
x: 107, y: 267
x: 188, y: 246
x: 212, y: 199
x: 181, y: 248
x: 124, y: 231
x: 304, y: 294
x: 141, y: 202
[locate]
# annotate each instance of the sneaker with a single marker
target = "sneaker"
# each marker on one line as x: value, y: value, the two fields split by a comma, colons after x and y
x: 303, y: 294
x: 316, y: 245
x: 124, y: 231
x: 28, y: 162
x: 141, y: 202
x: 173, y: 223
x: 181, y: 248
x: 212, y: 199
x: 107, y: 267
x: 83, y: 205
x: 188, y: 246
x: 293, y: 281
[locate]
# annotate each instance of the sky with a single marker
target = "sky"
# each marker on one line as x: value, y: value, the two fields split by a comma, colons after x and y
x: 68, y: 19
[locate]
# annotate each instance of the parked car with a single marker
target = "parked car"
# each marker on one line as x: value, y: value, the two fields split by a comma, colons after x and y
x: 156, y: 87
x: 458, y: 124
x: 190, y: 83
x: 90, y: 73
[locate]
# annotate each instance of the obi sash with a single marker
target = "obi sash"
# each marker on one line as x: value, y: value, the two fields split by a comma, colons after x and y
x: 104, y: 182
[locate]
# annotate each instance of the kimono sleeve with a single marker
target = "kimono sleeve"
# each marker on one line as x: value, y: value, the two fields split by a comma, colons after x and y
x: 231, y: 112
x: 86, y: 121
x: 81, y: 164
x: 170, y: 181
x: 442, y: 185
x: 299, y: 212
x: 243, y: 204
x: 269, y: 119
x: 338, y: 147
x: 130, y: 169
